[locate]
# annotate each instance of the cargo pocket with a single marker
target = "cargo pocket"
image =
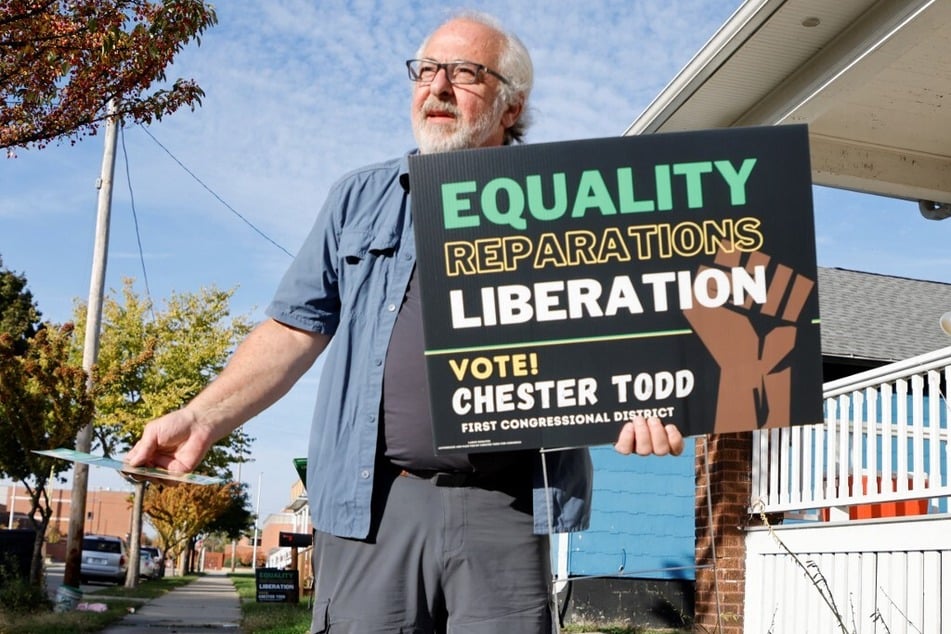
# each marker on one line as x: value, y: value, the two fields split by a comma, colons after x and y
x: 319, y: 619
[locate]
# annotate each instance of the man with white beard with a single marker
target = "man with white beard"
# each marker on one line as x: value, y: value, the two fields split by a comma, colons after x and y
x: 405, y: 540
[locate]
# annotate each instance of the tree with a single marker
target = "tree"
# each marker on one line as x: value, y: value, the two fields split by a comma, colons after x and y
x: 19, y: 316
x: 151, y: 362
x: 43, y: 400
x: 180, y: 513
x: 43, y: 404
x: 62, y: 62
x: 237, y: 519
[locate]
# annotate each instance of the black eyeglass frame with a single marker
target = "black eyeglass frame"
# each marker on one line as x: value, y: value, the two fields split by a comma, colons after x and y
x: 450, y: 68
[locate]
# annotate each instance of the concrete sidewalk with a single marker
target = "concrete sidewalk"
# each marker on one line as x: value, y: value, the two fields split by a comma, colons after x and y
x: 208, y: 603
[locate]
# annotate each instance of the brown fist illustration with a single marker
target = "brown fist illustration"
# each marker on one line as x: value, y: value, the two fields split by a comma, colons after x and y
x: 749, y: 343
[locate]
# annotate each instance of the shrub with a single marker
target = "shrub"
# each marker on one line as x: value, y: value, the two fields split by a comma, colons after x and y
x: 18, y: 596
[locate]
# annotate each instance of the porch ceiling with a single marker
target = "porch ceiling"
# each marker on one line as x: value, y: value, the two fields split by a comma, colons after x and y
x: 871, y: 78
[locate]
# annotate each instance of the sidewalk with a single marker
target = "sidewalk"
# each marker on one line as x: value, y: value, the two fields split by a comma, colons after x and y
x: 208, y: 603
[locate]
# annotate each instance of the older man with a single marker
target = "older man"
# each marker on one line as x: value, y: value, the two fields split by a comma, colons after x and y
x: 405, y: 540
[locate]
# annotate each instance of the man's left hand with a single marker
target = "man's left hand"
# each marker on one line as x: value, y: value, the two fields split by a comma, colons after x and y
x: 649, y: 436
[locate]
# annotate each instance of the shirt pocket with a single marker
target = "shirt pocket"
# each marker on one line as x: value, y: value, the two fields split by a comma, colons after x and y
x: 363, y: 255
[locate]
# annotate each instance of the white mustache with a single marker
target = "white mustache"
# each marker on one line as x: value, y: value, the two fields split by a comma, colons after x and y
x: 435, y: 105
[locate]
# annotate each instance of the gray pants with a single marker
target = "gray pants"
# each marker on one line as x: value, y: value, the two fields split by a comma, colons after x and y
x: 442, y: 560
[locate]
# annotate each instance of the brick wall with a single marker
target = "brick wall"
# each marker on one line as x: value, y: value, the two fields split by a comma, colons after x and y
x: 728, y: 459
x: 108, y: 512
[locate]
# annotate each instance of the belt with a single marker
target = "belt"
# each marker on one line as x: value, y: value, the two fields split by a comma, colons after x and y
x: 452, y: 478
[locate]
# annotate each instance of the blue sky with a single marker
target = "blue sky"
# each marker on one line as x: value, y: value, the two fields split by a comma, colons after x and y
x: 297, y: 93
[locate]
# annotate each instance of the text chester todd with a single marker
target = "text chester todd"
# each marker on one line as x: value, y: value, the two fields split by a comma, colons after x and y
x: 570, y: 392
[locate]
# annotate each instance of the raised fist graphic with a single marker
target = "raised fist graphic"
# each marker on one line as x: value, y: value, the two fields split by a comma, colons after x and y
x: 750, y: 343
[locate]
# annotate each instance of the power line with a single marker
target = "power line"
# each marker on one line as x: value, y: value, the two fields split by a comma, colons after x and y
x: 212, y: 192
x: 135, y: 221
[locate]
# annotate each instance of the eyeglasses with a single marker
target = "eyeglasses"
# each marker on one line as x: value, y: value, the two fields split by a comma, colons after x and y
x: 461, y: 72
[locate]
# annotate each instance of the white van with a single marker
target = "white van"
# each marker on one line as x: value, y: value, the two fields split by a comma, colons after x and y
x: 104, y: 558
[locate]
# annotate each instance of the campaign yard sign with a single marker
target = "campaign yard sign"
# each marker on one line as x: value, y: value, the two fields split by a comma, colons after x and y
x: 276, y: 585
x: 568, y: 286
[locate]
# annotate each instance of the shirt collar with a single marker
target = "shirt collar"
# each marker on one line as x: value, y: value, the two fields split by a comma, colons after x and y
x: 404, y: 169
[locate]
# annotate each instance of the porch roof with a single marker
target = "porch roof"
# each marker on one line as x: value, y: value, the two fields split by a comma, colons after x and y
x: 871, y: 78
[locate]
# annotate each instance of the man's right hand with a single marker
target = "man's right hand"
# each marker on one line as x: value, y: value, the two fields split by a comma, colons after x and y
x: 176, y: 442
x: 262, y: 369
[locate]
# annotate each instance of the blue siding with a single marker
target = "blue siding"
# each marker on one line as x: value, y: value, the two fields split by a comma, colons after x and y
x: 642, y: 523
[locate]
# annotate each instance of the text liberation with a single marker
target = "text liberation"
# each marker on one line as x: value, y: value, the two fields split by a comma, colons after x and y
x: 579, y: 298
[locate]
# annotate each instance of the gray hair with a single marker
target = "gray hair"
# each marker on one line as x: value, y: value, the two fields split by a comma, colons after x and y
x: 515, y: 64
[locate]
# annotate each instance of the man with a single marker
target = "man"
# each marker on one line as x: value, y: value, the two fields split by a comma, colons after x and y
x: 405, y: 541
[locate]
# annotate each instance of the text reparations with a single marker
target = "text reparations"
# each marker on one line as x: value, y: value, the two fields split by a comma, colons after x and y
x: 610, y: 245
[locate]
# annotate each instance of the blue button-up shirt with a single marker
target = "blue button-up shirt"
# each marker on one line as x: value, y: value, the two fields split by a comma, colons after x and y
x: 348, y: 282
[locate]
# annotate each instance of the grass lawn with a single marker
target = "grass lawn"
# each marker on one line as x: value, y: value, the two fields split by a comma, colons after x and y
x: 294, y: 618
x: 257, y: 618
x: 616, y: 628
x: 118, y: 600
x: 268, y: 618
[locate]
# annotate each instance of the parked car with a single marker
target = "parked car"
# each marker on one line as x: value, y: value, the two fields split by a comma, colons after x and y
x: 104, y: 558
x: 157, y: 557
x: 148, y: 567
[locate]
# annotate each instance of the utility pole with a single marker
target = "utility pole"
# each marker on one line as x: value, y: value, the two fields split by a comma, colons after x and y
x: 234, y: 542
x: 13, y: 500
x: 97, y: 283
x: 257, y: 518
x: 135, y: 536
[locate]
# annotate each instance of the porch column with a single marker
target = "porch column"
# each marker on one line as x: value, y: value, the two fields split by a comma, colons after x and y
x: 729, y: 460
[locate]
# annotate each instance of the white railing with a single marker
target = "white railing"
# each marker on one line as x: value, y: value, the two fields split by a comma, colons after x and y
x: 280, y: 558
x: 880, y: 576
x: 884, y: 439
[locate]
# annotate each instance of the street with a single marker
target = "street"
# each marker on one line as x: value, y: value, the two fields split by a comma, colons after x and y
x: 54, y: 579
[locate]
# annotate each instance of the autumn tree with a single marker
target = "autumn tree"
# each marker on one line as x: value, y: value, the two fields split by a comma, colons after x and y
x: 180, y: 513
x: 61, y: 63
x: 43, y: 400
x: 236, y: 520
x: 43, y: 404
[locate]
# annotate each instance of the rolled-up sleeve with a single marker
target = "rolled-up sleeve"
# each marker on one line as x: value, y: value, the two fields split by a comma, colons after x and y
x: 308, y: 296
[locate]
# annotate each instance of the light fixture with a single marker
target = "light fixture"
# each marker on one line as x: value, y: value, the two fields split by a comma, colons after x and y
x: 934, y: 210
x: 945, y: 323
x: 810, y: 22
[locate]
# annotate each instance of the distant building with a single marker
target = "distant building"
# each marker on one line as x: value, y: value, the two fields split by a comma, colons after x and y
x: 294, y: 519
x: 108, y: 512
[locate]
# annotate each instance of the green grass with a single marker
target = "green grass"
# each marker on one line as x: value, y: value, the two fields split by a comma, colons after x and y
x: 48, y: 622
x: 294, y: 618
x: 615, y: 628
x: 118, y: 600
x: 257, y: 618
x: 268, y: 618
x: 145, y: 590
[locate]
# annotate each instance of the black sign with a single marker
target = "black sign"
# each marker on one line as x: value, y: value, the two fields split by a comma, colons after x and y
x: 569, y: 286
x: 275, y: 585
x: 294, y: 540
